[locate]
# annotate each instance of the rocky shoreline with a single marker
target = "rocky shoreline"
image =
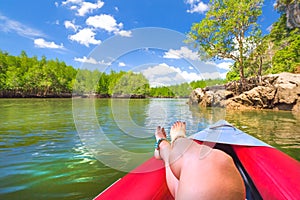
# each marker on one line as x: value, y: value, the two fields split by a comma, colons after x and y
x: 275, y: 91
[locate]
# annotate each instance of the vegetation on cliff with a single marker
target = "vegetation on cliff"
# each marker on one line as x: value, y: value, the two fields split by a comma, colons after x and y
x: 229, y: 30
x: 278, y: 51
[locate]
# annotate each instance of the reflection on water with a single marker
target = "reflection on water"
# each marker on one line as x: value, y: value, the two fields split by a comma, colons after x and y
x: 280, y: 129
x: 42, y: 156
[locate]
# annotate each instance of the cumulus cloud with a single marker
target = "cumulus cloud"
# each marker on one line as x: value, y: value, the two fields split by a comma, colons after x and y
x: 124, y: 33
x: 83, y: 7
x: 164, y: 75
x: 71, y: 2
x: 86, y: 60
x: 87, y: 7
x: 197, y: 6
x: 183, y: 52
x: 85, y: 36
x: 224, y: 65
x: 70, y: 25
x: 107, y: 23
x: 103, y: 21
x: 91, y: 60
x: 160, y: 75
x: 121, y: 64
x: 41, y: 43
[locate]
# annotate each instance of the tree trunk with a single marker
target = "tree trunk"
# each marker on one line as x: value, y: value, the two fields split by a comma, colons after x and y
x: 260, y: 69
x: 242, y: 72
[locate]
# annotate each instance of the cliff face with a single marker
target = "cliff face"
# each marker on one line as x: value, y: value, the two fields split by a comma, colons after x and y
x: 276, y: 91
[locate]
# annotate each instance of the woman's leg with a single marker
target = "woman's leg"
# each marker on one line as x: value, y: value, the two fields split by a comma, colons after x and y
x: 204, y: 172
x: 201, y: 175
x: 164, y: 153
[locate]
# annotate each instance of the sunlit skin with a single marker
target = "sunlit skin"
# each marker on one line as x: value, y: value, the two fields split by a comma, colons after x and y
x: 196, y: 171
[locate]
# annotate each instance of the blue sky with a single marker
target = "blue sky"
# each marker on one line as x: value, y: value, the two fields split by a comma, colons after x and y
x: 75, y: 31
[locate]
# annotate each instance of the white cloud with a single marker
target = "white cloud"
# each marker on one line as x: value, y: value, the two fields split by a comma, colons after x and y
x: 197, y: 6
x: 86, y: 60
x: 9, y: 25
x: 164, y: 75
x: 121, y: 64
x: 224, y: 65
x: 108, y: 23
x: 183, y: 52
x: 124, y: 33
x: 73, y: 7
x: 71, y: 2
x: 103, y: 21
x: 88, y: 7
x: 103, y: 62
x: 70, y: 25
x: 85, y: 36
x: 83, y: 7
x: 91, y: 60
x: 41, y: 43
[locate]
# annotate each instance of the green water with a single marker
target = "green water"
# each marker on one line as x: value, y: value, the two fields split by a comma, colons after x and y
x: 59, y: 149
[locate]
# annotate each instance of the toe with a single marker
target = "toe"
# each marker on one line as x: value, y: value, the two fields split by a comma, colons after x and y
x: 164, y: 132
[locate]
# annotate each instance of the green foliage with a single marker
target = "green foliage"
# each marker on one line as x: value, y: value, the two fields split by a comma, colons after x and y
x: 286, y: 56
x: 130, y: 84
x: 24, y: 76
x: 184, y: 89
x: 180, y: 90
x: 29, y: 77
x: 279, y: 51
x: 86, y: 81
x: 229, y: 30
x: 206, y: 83
x: 112, y: 84
x: 287, y: 59
x: 161, y: 92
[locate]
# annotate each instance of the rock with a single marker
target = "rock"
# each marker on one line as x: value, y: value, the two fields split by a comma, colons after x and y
x: 196, y: 96
x: 296, y: 107
x: 258, y: 97
x: 288, y: 88
x: 275, y: 91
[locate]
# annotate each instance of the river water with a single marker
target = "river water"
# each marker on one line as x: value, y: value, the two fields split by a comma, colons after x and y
x: 74, y: 149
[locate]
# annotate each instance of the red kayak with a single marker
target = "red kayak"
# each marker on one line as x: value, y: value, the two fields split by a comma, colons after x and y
x: 267, y: 172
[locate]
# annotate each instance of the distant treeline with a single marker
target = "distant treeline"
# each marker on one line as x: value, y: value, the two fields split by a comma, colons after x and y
x: 23, y: 76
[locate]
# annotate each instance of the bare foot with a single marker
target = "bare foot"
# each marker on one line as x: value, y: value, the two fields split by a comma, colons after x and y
x: 178, y: 130
x: 160, y: 133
